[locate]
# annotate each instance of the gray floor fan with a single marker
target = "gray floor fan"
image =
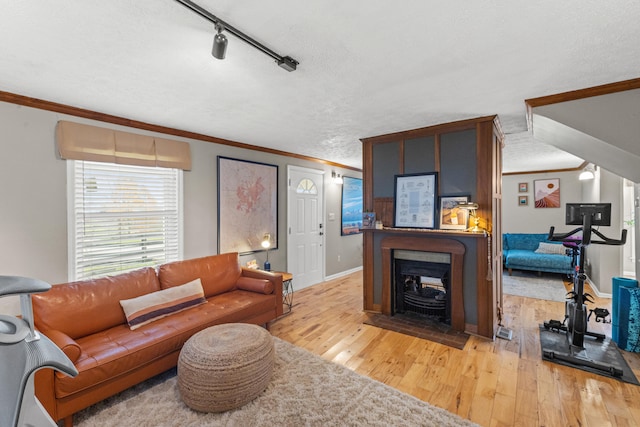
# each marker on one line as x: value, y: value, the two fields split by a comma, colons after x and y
x: 23, y: 351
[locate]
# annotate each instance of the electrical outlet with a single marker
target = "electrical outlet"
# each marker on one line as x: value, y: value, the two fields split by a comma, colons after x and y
x: 338, y: 258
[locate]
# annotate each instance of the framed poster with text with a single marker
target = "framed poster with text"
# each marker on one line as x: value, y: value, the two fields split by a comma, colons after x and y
x: 415, y: 200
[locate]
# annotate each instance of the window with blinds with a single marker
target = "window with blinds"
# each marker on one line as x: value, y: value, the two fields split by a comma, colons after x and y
x: 122, y: 217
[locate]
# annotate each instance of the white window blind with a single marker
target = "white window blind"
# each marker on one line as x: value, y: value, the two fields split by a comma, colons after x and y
x: 122, y: 217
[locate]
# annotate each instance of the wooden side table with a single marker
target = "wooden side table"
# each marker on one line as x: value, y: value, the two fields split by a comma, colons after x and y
x: 287, y: 290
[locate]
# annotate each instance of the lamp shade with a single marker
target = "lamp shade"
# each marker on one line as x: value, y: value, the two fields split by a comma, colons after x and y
x: 266, y: 241
x: 219, y: 46
x: 468, y: 206
x: 586, y: 174
x: 589, y: 172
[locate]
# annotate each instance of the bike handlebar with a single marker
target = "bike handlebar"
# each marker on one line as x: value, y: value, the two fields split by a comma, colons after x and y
x: 586, y: 237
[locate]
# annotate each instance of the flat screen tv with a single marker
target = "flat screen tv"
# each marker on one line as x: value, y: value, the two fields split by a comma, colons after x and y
x: 600, y: 213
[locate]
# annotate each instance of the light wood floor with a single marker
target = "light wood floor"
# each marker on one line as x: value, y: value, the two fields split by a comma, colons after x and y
x: 493, y: 383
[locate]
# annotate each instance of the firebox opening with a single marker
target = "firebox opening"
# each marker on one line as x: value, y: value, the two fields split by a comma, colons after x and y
x: 421, y: 281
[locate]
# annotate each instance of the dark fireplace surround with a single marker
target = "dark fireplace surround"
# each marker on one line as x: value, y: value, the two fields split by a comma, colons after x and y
x: 456, y: 251
x: 421, y: 284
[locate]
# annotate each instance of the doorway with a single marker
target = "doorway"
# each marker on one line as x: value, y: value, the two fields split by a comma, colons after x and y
x: 629, y: 207
x: 305, y: 228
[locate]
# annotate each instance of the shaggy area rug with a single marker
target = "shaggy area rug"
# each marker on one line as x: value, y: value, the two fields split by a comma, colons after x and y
x: 305, y: 390
x: 530, y: 285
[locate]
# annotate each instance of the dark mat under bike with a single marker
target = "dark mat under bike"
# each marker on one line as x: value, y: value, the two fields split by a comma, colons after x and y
x: 603, y: 352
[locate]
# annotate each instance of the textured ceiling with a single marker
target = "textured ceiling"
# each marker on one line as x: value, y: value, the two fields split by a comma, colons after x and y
x: 366, y: 68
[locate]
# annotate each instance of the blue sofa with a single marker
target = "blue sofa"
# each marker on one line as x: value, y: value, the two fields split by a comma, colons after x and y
x: 523, y: 251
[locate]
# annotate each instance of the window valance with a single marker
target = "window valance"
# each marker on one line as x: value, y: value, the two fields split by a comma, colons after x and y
x: 85, y: 142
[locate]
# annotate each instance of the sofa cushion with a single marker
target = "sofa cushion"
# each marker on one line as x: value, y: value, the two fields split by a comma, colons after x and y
x: 542, y: 262
x: 550, y: 248
x: 156, y: 305
x: 88, y: 306
x: 218, y: 273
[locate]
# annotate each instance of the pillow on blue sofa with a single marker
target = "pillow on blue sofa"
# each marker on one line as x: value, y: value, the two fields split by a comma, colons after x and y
x: 550, y: 248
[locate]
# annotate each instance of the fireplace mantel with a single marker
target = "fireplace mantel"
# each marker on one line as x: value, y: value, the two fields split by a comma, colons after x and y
x: 426, y: 244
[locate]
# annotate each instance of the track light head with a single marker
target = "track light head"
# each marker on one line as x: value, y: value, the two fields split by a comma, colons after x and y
x: 288, y: 63
x: 220, y: 40
x: 219, y: 44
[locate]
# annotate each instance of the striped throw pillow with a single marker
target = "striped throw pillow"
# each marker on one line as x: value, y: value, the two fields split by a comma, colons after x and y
x: 156, y: 305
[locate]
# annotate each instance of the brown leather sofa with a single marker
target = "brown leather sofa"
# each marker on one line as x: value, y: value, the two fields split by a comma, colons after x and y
x: 85, y: 319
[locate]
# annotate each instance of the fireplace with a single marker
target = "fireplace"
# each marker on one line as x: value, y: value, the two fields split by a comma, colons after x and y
x: 421, y: 284
x: 450, y: 249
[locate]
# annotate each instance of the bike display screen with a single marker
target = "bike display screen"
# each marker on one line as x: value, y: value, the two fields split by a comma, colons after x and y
x: 600, y: 213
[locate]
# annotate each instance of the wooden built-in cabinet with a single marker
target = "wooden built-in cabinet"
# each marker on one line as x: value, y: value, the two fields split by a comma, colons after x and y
x: 467, y: 155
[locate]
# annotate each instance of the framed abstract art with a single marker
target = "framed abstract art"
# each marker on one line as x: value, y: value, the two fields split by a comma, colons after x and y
x: 247, y: 205
x: 546, y: 193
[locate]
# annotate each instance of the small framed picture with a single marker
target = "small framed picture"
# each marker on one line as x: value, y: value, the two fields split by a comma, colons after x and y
x: 523, y: 187
x: 368, y: 219
x: 523, y: 200
x: 451, y: 216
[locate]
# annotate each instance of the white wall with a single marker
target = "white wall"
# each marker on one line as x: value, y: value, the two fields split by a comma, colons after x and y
x: 603, y: 261
x: 529, y: 219
x: 628, y: 218
x: 33, y: 223
x: 33, y: 190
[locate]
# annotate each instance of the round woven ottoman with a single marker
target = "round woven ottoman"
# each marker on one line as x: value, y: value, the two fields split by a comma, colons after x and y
x: 225, y: 366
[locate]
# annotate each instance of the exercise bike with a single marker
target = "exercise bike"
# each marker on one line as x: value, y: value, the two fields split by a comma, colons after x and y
x: 575, y: 320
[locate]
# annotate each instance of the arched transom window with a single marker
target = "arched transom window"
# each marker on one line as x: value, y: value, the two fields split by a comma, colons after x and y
x: 306, y: 186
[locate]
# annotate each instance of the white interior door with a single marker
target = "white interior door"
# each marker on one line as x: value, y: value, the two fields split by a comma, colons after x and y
x: 305, y: 245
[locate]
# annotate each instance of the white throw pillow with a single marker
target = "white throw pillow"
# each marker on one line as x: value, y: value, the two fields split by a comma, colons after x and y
x: 551, y: 248
x: 156, y: 305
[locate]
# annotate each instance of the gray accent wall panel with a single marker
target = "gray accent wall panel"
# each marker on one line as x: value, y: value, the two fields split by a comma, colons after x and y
x: 458, y: 163
x: 419, y: 155
x: 386, y: 164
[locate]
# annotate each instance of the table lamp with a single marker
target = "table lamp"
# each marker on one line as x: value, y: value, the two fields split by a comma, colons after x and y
x: 266, y: 243
x: 472, y: 207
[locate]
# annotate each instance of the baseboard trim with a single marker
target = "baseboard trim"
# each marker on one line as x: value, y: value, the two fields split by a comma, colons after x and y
x: 342, y: 274
x: 597, y: 291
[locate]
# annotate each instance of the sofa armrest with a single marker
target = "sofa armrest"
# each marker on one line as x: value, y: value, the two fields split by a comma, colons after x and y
x: 67, y: 344
x: 45, y: 390
x: 261, y: 286
x: 505, y: 242
x: 275, y: 278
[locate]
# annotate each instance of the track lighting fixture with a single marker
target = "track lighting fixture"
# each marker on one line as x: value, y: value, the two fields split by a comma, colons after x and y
x: 219, y: 43
x: 220, y: 40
